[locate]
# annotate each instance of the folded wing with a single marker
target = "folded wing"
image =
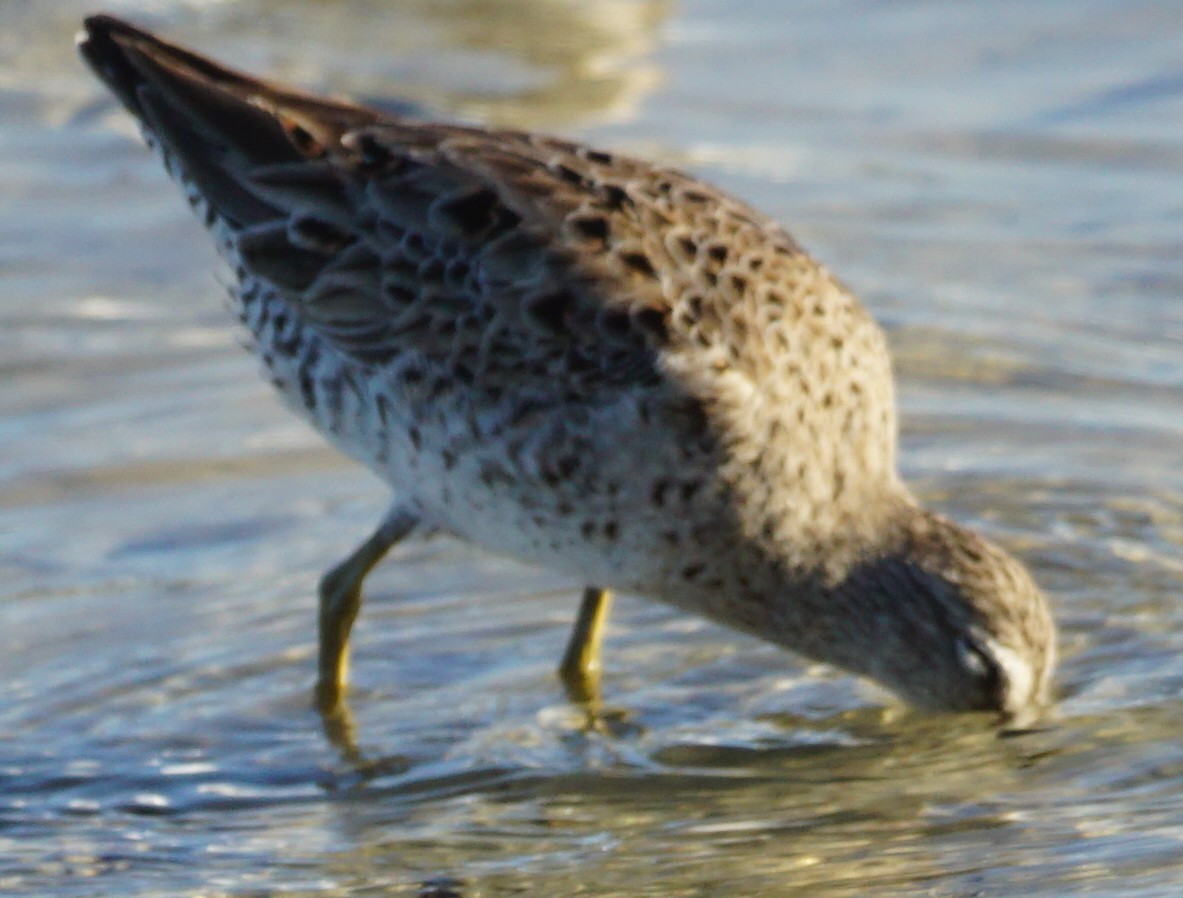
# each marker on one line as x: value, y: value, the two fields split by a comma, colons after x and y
x: 516, y: 261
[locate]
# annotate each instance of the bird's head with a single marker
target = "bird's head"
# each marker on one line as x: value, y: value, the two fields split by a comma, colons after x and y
x: 948, y: 621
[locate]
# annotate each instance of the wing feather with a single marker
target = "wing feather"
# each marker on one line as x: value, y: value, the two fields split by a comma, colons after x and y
x: 527, y: 263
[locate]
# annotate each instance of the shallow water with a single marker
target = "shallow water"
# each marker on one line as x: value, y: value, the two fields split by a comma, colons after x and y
x: 1003, y: 183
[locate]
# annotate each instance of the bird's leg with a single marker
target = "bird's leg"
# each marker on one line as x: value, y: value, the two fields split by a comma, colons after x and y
x: 340, y: 600
x: 580, y: 668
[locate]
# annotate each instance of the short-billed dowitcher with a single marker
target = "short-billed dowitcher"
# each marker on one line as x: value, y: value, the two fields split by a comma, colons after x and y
x: 585, y: 362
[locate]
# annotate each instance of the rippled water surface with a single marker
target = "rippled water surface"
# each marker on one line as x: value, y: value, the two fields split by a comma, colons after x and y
x: 1003, y: 183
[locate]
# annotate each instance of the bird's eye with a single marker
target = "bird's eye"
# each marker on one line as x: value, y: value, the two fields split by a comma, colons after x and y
x: 981, y: 665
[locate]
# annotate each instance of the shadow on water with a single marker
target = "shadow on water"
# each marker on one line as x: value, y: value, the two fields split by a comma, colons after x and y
x: 915, y: 800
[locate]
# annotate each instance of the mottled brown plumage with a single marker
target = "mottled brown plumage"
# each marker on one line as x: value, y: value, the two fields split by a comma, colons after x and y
x: 588, y: 362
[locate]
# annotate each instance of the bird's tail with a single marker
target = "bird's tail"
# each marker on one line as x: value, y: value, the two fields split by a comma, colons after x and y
x: 219, y: 126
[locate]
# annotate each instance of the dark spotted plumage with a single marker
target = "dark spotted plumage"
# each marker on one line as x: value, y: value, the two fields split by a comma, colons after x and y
x: 589, y: 362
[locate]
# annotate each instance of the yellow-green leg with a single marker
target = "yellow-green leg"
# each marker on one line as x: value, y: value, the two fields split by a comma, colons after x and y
x: 340, y: 601
x: 580, y: 668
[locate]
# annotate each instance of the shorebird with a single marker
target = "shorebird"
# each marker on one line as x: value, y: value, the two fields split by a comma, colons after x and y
x: 586, y: 362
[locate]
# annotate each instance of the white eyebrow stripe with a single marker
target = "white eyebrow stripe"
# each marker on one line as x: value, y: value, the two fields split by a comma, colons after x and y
x: 1020, y: 678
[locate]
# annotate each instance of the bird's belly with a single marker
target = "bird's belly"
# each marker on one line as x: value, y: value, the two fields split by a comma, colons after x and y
x: 604, y: 499
x: 603, y: 495
x: 540, y: 496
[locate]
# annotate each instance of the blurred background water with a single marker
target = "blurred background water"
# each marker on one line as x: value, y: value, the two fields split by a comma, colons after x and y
x: 1002, y: 183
